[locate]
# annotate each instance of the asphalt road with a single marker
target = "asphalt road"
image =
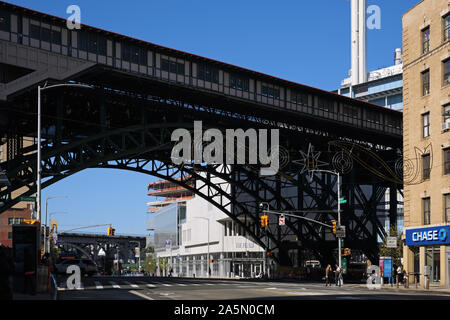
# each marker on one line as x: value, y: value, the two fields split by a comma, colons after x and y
x: 147, y: 288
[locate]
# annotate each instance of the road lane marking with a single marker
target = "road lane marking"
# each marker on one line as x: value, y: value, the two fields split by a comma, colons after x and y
x: 115, y: 285
x: 181, y: 284
x: 139, y: 294
x: 131, y: 284
x: 98, y: 285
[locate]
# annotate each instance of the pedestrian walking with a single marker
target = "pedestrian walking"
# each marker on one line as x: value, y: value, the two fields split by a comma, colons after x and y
x: 339, y: 278
x: 328, y: 272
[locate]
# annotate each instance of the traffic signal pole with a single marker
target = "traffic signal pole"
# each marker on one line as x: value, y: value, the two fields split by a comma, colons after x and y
x: 339, y: 217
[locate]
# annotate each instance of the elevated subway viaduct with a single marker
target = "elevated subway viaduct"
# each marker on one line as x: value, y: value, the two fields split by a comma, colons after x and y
x: 141, y: 92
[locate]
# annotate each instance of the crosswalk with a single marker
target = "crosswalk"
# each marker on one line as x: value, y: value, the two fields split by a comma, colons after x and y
x: 152, y: 284
x: 100, y: 284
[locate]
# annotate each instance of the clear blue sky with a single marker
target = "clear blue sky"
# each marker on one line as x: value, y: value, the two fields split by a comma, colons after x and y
x: 302, y: 41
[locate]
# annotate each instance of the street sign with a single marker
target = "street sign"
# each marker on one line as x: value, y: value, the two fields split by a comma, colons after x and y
x: 340, y: 232
x: 342, y: 200
x: 391, y: 242
x: 281, y: 220
x: 27, y: 199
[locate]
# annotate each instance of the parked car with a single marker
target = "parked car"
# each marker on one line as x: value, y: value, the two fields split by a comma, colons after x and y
x: 87, y: 266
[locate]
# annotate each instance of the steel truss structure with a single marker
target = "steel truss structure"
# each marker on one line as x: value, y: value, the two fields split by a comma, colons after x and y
x: 130, y: 129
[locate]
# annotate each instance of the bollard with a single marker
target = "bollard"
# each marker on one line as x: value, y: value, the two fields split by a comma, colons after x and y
x: 406, y: 281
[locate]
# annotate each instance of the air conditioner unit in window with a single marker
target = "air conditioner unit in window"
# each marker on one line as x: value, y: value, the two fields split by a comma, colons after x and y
x: 446, y: 126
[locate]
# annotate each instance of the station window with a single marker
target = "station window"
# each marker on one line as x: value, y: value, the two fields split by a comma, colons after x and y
x: 299, y: 98
x: 56, y: 37
x: 46, y: 35
x: 5, y: 21
x: 426, y: 166
x: 35, y: 31
x: 373, y: 116
x: 447, y: 27
x: 446, y: 67
x: 92, y: 42
x: 426, y: 82
x: 239, y: 83
x: 172, y: 66
x: 325, y: 104
x: 270, y: 92
x: 426, y: 40
x: 447, y: 161
x: 426, y: 211
x: 426, y: 124
x: 350, y: 111
x: 208, y: 73
x: 134, y: 54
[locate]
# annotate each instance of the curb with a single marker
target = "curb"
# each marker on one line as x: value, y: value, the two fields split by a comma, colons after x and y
x: 413, y: 290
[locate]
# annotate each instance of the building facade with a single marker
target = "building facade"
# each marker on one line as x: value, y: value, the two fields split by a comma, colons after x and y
x: 426, y: 130
x: 20, y: 211
x: 189, y: 231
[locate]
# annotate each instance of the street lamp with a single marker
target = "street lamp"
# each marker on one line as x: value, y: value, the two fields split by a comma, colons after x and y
x: 45, y: 226
x: 339, y: 206
x: 40, y: 89
x: 208, y: 264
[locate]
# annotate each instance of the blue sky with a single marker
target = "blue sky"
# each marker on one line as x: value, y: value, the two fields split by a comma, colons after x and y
x: 302, y: 41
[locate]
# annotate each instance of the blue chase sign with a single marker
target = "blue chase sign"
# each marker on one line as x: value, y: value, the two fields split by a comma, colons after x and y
x: 428, y: 236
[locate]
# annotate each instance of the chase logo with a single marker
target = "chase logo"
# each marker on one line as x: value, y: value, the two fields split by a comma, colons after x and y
x: 442, y: 234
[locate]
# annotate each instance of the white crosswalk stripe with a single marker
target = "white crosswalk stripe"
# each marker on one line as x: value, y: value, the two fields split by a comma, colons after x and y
x: 182, y: 284
x: 98, y: 285
x: 131, y: 284
x: 115, y: 285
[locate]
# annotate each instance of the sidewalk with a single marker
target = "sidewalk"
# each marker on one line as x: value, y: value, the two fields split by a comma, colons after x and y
x: 411, y: 289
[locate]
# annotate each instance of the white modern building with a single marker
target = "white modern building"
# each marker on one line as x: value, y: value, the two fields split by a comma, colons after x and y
x: 189, y: 231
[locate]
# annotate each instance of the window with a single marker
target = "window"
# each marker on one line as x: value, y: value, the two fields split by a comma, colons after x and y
x: 426, y: 124
x: 426, y: 211
x: 35, y: 31
x: 239, y: 83
x: 5, y: 21
x: 325, y: 104
x: 56, y: 37
x: 447, y: 207
x: 9, y: 235
x: 373, y: 116
x: 350, y: 111
x: 92, y: 42
x: 134, y: 54
x: 208, y: 73
x: 270, y: 92
x: 46, y: 35
x: 12, y: 221
x: 426, y: 82
x: 426, y: 40
x: 446, y: 68
x: 447, y: 161
x: 426, y: 166
x: 299, y: 98
x: 172, y: 66
x: 446, y: 27
x: 446, y: 112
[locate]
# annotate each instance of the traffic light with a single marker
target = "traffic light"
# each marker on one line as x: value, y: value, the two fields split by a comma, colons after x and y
x: 347, y: 252
x: 264, y: 221
x: 111, y: 231
x: 334, y: 227
x: 269, y: 253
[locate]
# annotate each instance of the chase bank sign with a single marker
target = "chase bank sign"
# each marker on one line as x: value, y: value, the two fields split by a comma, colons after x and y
x: 428, y: 236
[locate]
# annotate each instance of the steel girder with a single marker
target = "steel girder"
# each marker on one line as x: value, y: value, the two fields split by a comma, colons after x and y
x: 144, y: 141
